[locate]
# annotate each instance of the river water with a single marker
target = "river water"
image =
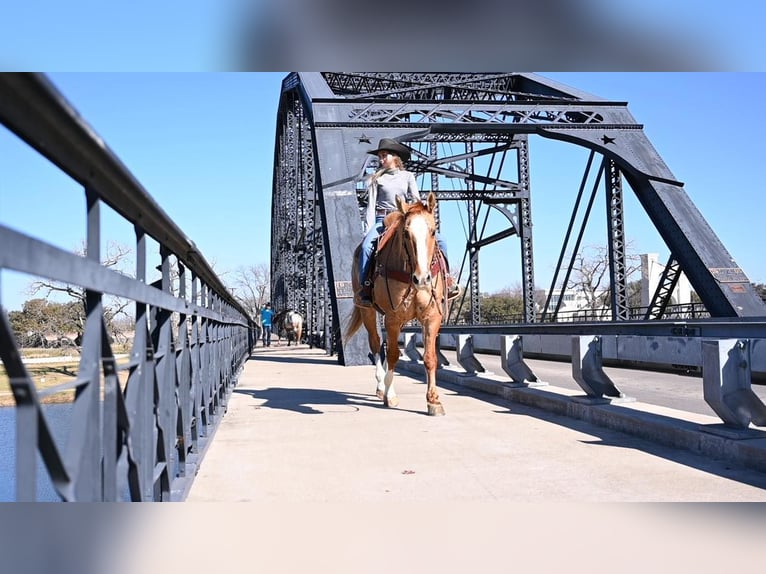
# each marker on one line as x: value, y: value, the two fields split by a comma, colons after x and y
x: 58, y: 417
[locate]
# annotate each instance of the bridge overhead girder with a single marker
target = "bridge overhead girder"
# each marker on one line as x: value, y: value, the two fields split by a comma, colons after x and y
x: 328, y: 121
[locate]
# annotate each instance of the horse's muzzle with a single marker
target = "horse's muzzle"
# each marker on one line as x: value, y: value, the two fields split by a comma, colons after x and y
x: 423, y: 281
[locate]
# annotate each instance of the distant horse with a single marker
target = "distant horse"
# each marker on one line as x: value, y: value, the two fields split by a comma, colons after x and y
x: 409, y: 283
x: 288, y: 324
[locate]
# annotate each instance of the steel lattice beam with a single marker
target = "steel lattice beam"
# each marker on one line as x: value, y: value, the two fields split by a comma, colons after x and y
x: 616, y: 243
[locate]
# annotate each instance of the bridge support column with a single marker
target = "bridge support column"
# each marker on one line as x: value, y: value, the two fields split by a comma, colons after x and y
x: 410, y: 347
x: 587, y: 368
x: 512, y: 361
x: 726, y: 377
x: 466, y: 357
x: 441, y: 360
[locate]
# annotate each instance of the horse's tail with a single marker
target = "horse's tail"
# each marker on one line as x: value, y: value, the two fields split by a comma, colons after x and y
x: 354, y: 322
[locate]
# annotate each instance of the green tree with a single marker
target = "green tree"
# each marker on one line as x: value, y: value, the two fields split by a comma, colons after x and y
x: 634, y: 293
x: 41, y: 322
x: 505, y: 306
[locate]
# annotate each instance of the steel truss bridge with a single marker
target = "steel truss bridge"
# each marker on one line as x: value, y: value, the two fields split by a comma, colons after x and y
x: 138, y: 428
x: 474, y: 129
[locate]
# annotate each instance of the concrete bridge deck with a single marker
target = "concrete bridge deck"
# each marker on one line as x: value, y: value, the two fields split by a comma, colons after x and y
x: 299, y: 428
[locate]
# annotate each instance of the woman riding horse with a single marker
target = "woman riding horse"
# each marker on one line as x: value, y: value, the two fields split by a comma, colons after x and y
x: 389, y: 182
x: 409, y: 283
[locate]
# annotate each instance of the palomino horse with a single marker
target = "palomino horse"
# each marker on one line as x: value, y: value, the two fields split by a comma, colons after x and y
x: 408, y: 284
x: 288, y: 323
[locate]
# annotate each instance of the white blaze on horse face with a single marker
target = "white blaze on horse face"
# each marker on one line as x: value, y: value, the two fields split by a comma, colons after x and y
x: 419, y: 233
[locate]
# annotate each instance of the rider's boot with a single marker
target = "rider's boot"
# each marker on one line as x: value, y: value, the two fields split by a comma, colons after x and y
x: 453, y: 289
x: 364, y: 295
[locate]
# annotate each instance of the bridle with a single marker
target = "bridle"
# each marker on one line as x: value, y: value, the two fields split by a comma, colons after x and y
x: 410, y: 257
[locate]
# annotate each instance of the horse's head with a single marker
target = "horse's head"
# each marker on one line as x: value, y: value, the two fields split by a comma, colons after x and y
x: 419, y: 238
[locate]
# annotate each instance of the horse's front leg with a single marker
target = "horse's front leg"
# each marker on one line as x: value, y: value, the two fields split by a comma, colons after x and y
x: 435, y: 407
x: 392, y: 357
x: 380, y: 376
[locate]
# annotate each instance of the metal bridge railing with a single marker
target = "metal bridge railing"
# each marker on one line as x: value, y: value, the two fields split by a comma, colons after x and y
x: 137, y: 427
x: 676, y: 312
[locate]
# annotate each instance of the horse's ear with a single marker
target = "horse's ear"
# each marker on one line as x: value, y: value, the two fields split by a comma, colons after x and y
x: 401, y: 204
x: 431, y: 202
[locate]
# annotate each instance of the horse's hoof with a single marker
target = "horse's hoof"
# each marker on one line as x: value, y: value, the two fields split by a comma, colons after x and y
x: 381, y: 395
x: 392, y: 402
x: 435, y: 410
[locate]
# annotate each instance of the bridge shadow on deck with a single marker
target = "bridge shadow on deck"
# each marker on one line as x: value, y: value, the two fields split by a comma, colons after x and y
x: 306, y: 401
x: 314, y: 401
x: 615, y: 438
x: 297, y: 358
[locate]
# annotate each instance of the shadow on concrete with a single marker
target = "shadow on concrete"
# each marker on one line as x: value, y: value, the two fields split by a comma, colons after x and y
x: 322, y: 401
x: 310, y: 401
x: 295, y: 357
x: 608, y: 437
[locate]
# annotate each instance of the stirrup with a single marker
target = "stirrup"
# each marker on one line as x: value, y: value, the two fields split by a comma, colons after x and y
x: 453, y: 292
x: 453, y: 288
x: 364, y: 298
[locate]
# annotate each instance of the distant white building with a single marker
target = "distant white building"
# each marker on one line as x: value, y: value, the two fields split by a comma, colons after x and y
x: 651, y: 271
x: 572, y: 300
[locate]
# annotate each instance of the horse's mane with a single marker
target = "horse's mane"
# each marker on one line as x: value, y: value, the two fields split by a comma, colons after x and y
x: 396, y: 218
x: 393, y: 218
x: 280, y: 316
x: 416, y: 207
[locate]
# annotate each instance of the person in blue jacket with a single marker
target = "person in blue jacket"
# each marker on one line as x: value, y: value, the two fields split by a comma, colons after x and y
x: 266, y: 316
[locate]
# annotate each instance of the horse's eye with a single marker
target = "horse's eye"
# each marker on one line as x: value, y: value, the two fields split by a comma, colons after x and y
x: 433, y: 233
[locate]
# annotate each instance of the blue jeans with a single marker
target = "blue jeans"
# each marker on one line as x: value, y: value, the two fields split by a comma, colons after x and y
x: 365, y: 254
x: 266, y: 335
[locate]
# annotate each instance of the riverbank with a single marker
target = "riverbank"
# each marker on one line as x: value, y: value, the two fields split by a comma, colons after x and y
x: 46, y: 373
x: 7, y: 400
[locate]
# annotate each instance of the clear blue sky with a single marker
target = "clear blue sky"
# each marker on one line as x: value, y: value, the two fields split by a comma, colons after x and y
x: 202, y: 145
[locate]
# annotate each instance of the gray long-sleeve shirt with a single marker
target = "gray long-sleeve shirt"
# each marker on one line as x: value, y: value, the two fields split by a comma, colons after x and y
x: 383, y: 192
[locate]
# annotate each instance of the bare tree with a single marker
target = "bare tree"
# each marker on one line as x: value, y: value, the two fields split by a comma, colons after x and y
x: 251, y: 286
x: 116, y: 258
x: 590, y: 274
